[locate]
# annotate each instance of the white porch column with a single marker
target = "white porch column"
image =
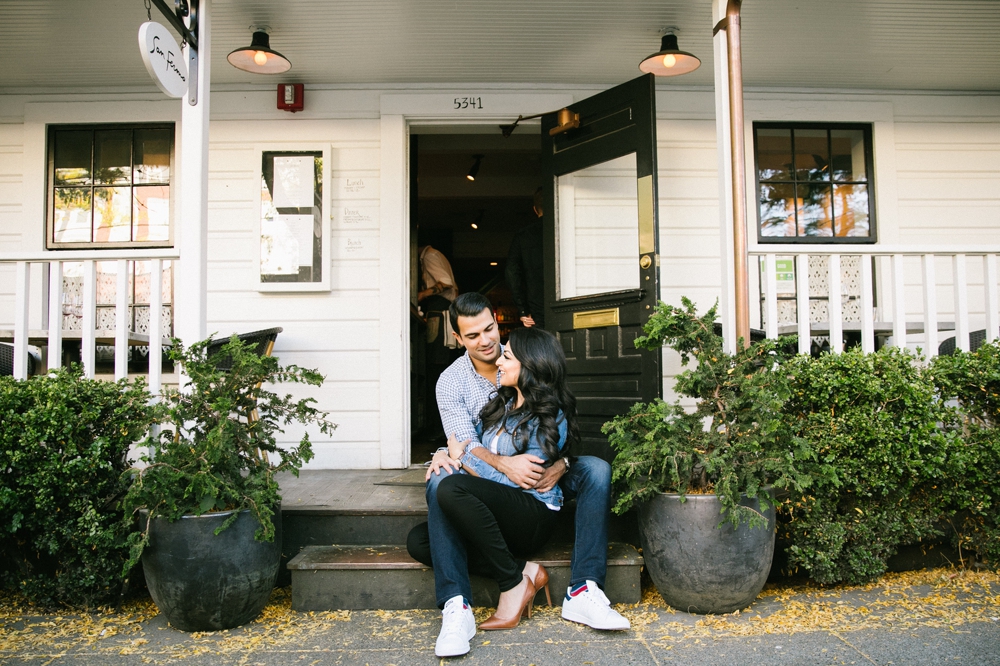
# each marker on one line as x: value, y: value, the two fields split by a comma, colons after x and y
x: 191, y: 274
x: 727, y: 300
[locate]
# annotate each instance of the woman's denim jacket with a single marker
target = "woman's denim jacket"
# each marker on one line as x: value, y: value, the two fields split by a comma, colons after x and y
x: 504, y: 446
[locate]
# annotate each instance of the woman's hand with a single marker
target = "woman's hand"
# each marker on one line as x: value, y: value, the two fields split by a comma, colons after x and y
x: 442, y: 461
x: 455, y: 447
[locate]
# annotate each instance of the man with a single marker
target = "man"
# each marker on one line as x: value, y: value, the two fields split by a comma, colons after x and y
x: 462, y: 391
x: 525, y: 270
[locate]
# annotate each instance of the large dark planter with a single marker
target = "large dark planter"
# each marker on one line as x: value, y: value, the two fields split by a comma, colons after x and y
x: 204, y: 582
x: 697, y: 565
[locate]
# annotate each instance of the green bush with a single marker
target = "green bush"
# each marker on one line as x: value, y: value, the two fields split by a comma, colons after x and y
x: 970, y: 382
x: 64, y: 442
x: 871, y: 419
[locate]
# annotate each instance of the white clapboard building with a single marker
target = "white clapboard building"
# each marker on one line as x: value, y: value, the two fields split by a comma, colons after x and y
x: 868, y: 190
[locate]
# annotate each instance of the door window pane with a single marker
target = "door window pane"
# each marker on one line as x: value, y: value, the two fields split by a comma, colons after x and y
x: 112, y: 157
x: 848, y: 154
x: 151, y: 213
x: 812, y: 155
x: 774, y: 154
x: 597, y: 218
x: 72, y: 215
x: 73, y: 157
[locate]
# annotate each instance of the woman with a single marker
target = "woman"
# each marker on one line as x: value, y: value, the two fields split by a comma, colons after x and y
x: 534, y: 413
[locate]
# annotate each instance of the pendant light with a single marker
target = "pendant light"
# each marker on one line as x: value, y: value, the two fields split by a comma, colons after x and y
x: 259, y: 57
x: 669, y: 60
x: 474, y: 171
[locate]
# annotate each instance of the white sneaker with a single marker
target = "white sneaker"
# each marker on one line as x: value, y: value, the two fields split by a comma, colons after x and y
x: 589, y: 606
x: 458, y: 626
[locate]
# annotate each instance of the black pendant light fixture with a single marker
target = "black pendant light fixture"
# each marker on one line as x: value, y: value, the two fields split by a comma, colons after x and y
x: 669, y: 60
x: 259, y: 57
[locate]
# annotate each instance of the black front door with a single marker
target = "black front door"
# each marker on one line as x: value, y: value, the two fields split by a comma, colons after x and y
x: 601, y: 251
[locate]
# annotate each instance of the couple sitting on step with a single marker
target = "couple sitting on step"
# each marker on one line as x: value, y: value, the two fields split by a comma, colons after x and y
x: 493, y: 493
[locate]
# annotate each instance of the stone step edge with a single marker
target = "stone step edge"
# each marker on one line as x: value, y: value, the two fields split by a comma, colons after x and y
x: 390, y: 557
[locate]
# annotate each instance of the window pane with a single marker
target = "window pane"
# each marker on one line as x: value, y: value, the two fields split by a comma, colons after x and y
x: 774, y: 154
x: 597, y: 228
x: 112, y: 156
x: 815, y: 215
x: 112, y: 214
x: 71, y: 215
x: 777, y: 210
x: 152, y: 156
x: 72, y: 157
x: 812, y: 158
x: 151, y: 214
x: 848, y: 154
x: 851, y: 205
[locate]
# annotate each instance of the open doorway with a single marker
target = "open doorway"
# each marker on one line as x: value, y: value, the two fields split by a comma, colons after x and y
x: 472, y: 222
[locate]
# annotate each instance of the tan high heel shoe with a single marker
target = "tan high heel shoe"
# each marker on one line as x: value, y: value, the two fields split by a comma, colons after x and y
x: 496, y: 622
x: 540, y: 581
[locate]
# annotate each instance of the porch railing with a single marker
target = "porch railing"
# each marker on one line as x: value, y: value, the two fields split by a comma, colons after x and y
x: 52, y: 266
x: 904, y: 281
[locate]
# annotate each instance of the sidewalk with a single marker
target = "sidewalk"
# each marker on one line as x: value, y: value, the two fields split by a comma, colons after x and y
x: 928, y: 617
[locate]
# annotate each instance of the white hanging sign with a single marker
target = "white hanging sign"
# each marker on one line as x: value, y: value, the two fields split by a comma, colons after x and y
x: 163, y: 59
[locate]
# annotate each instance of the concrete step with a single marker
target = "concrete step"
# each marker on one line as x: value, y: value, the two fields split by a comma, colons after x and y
x: 353, y: 577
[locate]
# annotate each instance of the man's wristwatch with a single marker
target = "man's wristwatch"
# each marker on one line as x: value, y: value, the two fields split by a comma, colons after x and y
x: 566, y: 462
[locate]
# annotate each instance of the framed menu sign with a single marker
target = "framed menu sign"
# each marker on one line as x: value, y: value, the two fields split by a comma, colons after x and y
x: 294, y: 246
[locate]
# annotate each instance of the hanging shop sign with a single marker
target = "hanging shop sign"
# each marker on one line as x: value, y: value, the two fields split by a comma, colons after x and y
x: 163, y: 59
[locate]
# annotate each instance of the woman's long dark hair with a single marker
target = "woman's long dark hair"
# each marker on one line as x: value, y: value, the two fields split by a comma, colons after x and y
x: 543, y: 384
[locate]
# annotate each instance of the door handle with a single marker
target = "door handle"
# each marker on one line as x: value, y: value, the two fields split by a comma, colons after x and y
x: 645, y: 261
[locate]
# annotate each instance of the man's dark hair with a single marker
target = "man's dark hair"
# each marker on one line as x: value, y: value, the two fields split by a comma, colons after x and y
x: 469, y: 304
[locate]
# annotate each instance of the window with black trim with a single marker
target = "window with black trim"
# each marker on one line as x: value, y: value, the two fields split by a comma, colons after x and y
x: 109, y: 186
x: 814, y: 182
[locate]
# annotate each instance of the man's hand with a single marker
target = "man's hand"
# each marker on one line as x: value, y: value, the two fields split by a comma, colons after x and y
x: 442, y: 461
x: 551, y: 476
x: 528, y: 321
x: 525, y: 470
x: 455, y: 447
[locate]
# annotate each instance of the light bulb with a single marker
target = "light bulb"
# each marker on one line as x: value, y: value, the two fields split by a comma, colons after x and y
x: 260, y: 58
x: 474, y: 225
x: 470, y: 177
x: 669, y: 60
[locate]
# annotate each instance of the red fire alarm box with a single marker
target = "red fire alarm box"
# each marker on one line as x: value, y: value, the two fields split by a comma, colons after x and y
x: 291, y: 97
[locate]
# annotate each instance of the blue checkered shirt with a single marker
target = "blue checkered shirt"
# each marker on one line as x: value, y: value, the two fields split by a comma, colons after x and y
x: 461, y: 395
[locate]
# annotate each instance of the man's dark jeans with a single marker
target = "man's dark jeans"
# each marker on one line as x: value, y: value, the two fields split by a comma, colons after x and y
x: 437, y: 544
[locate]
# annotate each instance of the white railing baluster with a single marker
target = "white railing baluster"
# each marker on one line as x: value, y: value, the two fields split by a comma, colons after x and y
x: 121, y: 320
x: 867, y: 306
x: 961, y: 302
x: 835, y: 306
x: 802, y: 301
x: 155, y: 325
x: 771, y: 296
x: 930, y: 307
x: 22, y: 285
x: 55, y: 314
x: 991, y: 297
x: 898, y: 302
x: 87, y: 336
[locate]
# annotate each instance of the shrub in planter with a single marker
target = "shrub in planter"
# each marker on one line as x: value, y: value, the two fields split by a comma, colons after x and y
x: 64, y: 442
x: 871, y: 419
x: 712, y: 554
x: 970, y: 382
x: 218, y: 455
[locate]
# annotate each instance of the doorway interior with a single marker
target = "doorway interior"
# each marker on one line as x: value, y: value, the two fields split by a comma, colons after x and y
x: 472, y: 221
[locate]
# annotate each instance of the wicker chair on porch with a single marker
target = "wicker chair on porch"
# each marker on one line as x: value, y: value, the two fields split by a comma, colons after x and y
x: 7, y: 360
x: 976, y: 340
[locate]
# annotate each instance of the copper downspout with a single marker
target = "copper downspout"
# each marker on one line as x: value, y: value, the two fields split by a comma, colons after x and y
x: 731, y: 24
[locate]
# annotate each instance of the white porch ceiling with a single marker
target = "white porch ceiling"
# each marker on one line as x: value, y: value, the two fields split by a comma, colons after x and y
x: 873, y: 44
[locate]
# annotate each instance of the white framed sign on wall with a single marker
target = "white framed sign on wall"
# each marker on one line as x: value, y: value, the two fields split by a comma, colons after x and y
x: 294, y: 252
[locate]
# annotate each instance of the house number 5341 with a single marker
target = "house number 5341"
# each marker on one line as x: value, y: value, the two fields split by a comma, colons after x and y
x: 468, y: 102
